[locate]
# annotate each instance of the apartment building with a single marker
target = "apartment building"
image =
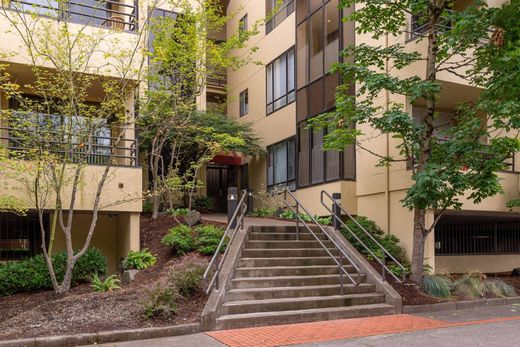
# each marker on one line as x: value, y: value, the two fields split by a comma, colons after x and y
x: 117, y: 228
x: 298, y: 46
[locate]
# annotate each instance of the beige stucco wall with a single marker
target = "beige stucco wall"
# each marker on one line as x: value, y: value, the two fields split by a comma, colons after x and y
x: 480, y: 263
x: 115, y: 235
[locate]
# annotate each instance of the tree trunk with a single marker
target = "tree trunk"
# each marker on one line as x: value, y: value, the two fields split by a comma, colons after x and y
x: 418, y: 245
x: 155, y: 191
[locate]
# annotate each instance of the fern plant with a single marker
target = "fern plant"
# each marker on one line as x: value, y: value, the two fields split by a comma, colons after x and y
x: 107, y: 285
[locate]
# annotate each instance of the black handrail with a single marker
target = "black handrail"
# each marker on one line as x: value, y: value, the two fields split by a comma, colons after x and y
x: 342, y: 254
x: 238, y: 217
x: 386, y: 253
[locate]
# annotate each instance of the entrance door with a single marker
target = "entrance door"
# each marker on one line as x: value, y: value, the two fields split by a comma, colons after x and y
x: 217, y: 185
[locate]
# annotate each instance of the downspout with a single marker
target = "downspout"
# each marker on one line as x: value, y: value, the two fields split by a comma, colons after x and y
x: 387, y: 177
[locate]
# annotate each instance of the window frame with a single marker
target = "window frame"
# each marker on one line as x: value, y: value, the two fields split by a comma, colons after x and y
x: 287, y: 9
x: 288, y: 91
x: 290, y: 182
x: 243, y: 24
x: 243, y: 108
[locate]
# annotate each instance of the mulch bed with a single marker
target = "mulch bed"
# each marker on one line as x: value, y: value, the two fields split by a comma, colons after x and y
x: 83, y: 310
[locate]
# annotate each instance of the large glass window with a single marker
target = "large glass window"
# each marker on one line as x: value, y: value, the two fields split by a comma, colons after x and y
x: 316, y: 45
x: 20, y: 236
x: 284, y: 9
x: 281, y: 159
x: 280, y: 81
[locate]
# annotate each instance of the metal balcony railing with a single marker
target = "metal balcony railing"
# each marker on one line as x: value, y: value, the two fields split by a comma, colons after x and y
x: 121, y: 15
x: 98, y: 148
x: 217, y: 80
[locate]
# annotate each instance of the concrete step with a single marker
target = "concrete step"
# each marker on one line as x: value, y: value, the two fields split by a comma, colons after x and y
x: 283, y: 229
x: 287, y: 252
x: 300, y: 316
x: 271, y: 271
x: 295, y: 292
x: 285, y: 236
x: 295, y: 261
x: 255, y: 244
x: 291, y: 281
x: 303, y: 303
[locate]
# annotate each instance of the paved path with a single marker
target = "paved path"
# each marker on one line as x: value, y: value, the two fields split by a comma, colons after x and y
x: 248, y: 221
x: 488, y: 326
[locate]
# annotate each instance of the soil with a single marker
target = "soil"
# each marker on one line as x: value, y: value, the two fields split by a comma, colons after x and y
x: 83, y: 310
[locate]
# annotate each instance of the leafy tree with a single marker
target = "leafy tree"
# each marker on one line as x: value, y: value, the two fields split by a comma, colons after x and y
x: 183, y: 54
x: 55, y: 136
x: 477, y: 44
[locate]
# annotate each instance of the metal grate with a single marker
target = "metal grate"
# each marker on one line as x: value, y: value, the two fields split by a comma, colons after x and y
x: 487, y: 236
x: 19, y: 236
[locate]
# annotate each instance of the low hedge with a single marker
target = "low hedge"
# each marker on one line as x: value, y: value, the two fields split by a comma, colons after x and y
x: 32, y: 274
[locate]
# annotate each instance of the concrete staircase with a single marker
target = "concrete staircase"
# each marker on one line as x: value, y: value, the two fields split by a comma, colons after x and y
x: 279, y: 280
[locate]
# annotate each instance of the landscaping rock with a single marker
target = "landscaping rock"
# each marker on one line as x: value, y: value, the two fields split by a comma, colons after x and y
x: 128, y: 276
x: 194, y: 217
x: 516, y: 272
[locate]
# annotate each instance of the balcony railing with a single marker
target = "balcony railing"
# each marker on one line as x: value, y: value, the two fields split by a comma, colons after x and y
x: 101, y: 148
x: 217, y: 80
x: 121, y: 15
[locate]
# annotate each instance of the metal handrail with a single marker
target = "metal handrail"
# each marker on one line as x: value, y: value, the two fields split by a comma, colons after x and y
x: 238, y: 217
x: 386, y: 253
x: 342, y: 254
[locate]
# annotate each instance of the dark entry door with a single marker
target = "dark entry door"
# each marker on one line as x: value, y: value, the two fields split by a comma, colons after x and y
x: 217, y: 185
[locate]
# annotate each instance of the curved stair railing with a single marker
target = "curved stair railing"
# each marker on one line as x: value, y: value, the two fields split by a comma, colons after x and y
x: 342, y: 255
x: 238, y: 219
x: 385, y: 253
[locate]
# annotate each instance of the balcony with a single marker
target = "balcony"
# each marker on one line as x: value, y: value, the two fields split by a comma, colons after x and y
x: 217, y: 80
x: 116, y: 14
x: 103, y: 146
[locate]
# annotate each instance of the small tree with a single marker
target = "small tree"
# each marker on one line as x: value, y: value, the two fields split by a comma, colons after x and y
x: 183, y: 55
x: 475, y: 44
x: 55, y: 137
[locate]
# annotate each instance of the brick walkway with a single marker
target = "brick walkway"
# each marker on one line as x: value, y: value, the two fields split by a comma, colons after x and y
x: 335, y: 330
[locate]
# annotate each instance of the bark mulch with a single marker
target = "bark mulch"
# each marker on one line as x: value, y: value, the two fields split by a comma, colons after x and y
x: 44, y: 313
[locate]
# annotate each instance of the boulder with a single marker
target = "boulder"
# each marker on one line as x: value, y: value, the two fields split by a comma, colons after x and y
x: 193, y: 217
x: 128, y: 276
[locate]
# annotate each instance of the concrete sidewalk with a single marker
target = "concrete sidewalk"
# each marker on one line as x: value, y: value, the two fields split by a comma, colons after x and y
x: 484, y: 326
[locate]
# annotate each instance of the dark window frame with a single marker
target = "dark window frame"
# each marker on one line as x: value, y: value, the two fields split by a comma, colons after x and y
x: 244, y: 102
x: 288, y: 91
x: 290, y: 182
x: 286, y: 9
x: 243, y: 24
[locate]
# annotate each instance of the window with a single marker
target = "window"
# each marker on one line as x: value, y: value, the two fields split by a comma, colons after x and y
x: 281, y: 168
x: 20, y: 235
x: 280, y: 82
x: 244, y: 103
x: 242, y: 24
x: 284, y: 9
x: 470, y: 235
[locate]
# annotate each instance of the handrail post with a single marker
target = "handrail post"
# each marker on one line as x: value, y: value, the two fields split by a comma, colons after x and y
x: 340, y: 273
x: 297, y: 223
x: 217, y: 273
x: 383, y: 268
x: 336, y: 210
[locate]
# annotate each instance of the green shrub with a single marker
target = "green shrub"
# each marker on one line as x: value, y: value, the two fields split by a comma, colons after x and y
x: 389, y: 242
x: 181, y: 239
x: 437, y: 286
x: 497, y: 289
x: 107, y: 285
x: 160, y: 301
x: 147, y: 207
x: 324, y: 220
x: 288, y: 214
x: 139, y: 260
x: 263, y: 212
x: 203, y: 203
x: 188, y: 278
x: 469, y: 286
x: 32, y: 274
x: 177, y: 212
x: 208, y: 238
